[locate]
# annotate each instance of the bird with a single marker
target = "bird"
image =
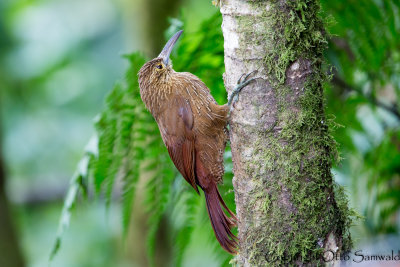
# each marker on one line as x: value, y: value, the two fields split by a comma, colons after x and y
x: 193, y: 127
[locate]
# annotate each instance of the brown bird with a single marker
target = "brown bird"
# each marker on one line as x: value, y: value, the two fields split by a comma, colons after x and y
x: 193, y: 128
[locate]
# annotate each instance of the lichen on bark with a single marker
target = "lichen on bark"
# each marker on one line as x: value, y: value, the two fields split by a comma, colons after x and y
x: 288, y: 207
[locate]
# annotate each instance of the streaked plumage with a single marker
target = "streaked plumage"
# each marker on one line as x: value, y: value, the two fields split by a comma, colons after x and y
x: 193, y: 128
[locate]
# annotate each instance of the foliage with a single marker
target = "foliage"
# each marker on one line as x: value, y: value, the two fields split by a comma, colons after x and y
x: 364, y: 97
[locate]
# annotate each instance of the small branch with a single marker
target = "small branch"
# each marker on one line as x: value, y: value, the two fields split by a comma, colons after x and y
x: 393, y: 109
x: 344, y: 45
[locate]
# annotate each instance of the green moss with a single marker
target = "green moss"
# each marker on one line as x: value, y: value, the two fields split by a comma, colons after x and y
x: 298, y: 159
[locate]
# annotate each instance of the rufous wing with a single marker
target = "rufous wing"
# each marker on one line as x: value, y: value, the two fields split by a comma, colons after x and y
x: 176, y: 127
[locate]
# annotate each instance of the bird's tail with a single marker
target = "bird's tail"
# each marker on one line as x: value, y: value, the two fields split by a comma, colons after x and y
x: 221, y: 223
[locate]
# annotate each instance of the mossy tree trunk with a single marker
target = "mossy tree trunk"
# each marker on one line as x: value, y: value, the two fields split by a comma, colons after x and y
x: 288, y: 205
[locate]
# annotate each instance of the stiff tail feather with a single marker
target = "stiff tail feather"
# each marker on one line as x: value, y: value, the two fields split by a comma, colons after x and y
x: 221, y: 223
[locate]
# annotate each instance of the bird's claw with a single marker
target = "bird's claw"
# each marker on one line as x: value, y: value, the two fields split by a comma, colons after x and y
x: 239, y: 86
x: 240, y: 78
x: 245, y: 76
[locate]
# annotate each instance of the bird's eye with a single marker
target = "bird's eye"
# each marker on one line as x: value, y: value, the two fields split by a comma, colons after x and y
x: 159, y: 66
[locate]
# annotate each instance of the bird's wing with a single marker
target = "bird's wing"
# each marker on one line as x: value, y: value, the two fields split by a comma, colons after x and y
x: 176, y: 127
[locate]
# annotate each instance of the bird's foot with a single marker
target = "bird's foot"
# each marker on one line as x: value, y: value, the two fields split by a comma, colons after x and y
x: 239, y: 86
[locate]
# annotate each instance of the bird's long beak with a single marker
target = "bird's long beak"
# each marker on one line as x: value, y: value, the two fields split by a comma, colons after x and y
x: 168, y: 48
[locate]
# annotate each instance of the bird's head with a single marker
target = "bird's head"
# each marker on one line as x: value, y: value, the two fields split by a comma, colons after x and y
x: 158, y: 69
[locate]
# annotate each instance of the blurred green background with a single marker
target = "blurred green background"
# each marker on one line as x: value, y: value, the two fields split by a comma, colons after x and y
x: 59, y: 59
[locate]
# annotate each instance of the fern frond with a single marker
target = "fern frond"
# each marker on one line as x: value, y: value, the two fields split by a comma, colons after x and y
x: 186, y: 205
x: 79, y: 181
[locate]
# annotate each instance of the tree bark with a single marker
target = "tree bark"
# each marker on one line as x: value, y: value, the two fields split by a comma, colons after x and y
x: 289, y: 209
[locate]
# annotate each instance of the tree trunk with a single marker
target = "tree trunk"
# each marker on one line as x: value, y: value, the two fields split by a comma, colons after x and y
x: 10, y: 253
x: 290, y: 211
x: 149, y: 20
